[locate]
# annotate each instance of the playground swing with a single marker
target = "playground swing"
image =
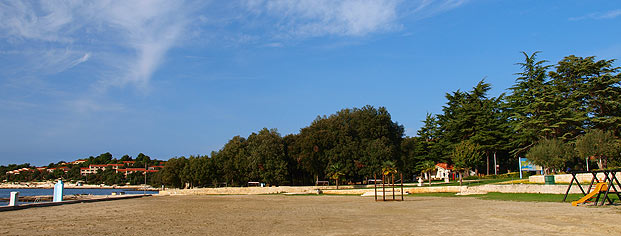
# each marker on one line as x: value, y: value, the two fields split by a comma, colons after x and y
x: 388, y: 181
x: 608, y: 185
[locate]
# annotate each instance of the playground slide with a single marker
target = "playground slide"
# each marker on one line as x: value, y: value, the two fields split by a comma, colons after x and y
x: 600, y: 187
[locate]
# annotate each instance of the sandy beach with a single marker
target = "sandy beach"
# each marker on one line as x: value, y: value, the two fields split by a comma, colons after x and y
x: 310, y: 215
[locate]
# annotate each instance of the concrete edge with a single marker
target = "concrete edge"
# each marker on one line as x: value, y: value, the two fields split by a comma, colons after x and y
x: 46, y: 204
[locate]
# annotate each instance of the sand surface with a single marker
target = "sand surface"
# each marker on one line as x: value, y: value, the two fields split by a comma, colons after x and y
x: 311, y: 215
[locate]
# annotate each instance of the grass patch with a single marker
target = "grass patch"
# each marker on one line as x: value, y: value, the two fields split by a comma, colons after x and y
x: 518, y: 197
x: 434, y: 195
x: 530, y: 197
x: 477, y: 182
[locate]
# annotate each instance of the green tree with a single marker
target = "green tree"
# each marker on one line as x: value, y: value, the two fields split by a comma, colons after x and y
x: 103, y: 158
x: 426, y: 167
x: 267, y: 157
x: 465, y: 156
x: 335, y: 173
x: 431, y: 136
x: 142, y: 160
x: 232, y: 162
x: 360, y: 139
x: 172, y: 172
x: 552, y: 154
x: 599, y: 144
x: 126, y: 158
x: 475, y: 117
x: 413, y: 152
x: 527, y: 104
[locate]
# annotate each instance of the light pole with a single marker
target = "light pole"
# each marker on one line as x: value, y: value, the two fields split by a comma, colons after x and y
x: 144, y: 190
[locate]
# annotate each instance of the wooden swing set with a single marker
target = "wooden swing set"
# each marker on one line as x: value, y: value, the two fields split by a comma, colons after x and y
x: 388, y: 176
x: 603, y: 186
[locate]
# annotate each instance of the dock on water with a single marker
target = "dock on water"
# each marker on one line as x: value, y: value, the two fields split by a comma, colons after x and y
x: 94, y: 199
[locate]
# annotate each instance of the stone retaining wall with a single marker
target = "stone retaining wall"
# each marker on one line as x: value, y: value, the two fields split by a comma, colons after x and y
x: 566, y: 178
x: 244, y: 190
x: 482, y: 189
x: 523, y: 188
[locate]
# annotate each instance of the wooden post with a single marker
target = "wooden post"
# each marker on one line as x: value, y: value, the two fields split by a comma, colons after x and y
x: 573, y: 176
x: 392, y: 179
x: 401, y: 175
x: 606, y: 179
x: 614, y: 177
x: 383, y: 187
x: 375, y: 185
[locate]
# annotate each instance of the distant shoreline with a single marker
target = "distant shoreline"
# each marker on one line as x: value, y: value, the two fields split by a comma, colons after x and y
x: 106, y: 187
x: 74, y: 186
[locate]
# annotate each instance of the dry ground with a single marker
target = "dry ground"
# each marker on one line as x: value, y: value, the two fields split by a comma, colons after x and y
x: 311, y: 215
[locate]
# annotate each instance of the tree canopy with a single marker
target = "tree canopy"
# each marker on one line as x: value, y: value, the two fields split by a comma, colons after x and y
x: 553, y: 114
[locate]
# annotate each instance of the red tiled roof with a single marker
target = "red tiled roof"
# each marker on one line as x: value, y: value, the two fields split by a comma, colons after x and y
x: 444, y: 166
x: 99, y: 165
x: 135, y: 169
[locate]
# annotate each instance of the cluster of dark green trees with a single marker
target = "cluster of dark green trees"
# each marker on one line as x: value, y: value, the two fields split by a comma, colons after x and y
x: 557, y: 103
x: 558, y: 115
x: 358, y: 141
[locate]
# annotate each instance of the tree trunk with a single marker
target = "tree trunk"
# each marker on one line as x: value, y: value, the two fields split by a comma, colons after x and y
x: 495, y: 165
x: 429, y: 177
x: 337, y: 183
x: 460, y: 178
x: 487, y: 154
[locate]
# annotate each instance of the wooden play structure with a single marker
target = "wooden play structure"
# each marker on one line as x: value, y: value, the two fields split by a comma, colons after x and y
x: 388, y: 181
x: 603, y: 187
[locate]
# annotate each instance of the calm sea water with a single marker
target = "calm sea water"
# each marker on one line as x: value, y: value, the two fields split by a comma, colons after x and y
x: 6, y: 193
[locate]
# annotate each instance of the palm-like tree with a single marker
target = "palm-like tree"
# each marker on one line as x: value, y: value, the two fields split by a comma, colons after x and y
x: 388, y: 167
x: 335, y: 173
x: 428, y: 167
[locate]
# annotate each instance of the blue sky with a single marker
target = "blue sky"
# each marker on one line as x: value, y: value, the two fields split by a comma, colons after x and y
x: 173, y: 78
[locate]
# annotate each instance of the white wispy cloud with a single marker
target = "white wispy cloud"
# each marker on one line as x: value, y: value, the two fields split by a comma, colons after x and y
x: 144, y: 30
x: 40, y: 62
x: 352, y: 18
x: 150, y: 29
x: 129, y: 40
x: 313, y: 18
x: 43, y: 21
x: 124, y: 43
x: 87, y: 105
x: 599, y: 15
x: 428, y: 8
x: 80, y: 60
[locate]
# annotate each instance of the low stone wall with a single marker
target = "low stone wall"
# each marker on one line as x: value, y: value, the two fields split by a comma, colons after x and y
x: 566, y: 178
x: 302, y: 190
x: 522, y: 188
x: 244, y: 190
x: 482, y: 189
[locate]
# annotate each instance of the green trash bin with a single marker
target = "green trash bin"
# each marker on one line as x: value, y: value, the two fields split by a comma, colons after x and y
x: 549, y: 179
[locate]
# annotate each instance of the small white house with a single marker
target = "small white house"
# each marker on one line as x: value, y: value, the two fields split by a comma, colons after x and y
x: 443, y: 171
